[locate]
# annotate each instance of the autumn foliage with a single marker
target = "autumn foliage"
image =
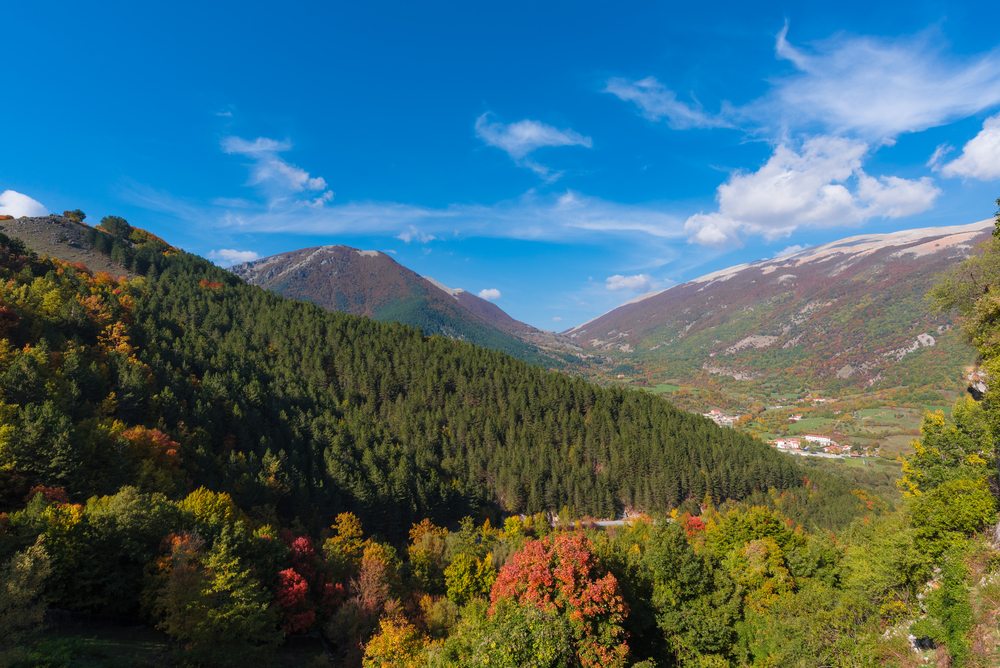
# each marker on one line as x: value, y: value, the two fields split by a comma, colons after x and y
x: 293, y: 598
x: 561, y: 573
x: 304, y: 592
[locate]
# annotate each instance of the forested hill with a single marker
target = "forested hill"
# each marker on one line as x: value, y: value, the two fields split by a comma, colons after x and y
x: 185, y: 376
x: 371, y: 283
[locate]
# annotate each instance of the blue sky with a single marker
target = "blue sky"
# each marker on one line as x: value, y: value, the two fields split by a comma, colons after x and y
x: 564, y: 156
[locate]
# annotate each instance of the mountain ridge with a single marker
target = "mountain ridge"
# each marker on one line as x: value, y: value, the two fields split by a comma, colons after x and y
x: 370, y: 283
x: 847, y: 314
x: 975, y: 228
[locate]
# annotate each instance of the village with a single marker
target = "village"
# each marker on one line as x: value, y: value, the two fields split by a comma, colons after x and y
x: 813, y: 445
x: 808, y: 445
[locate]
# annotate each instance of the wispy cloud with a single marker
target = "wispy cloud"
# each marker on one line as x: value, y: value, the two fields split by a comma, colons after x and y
x: 876, y: 88
x: 821, y: 184
x: 658, y: 103
x: 980, y: 157
x: 569, y: 216
x: 519, y: 140
x: 227, y: 257
x: 566, y: 217
x: 13, y: 203
x: 634, y: 283
x: 846, y: 96
x: 489, y: 294
x: 937, y: 157
x: 258, y: 146
x: 282, y: 183
x: 411, y: 233
x: 524, y: 137
x: 870, y: 88
x: 789, y: 250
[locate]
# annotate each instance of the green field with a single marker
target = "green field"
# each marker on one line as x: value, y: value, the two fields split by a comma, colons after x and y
x: 663, y: 388
x: 810, y: 424
x: 877, y: 475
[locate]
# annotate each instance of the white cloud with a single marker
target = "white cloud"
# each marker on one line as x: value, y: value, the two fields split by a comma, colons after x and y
x: 789, y: 250
x: 934, y: 162
x: 13, y: 203
x: 634, y: 283
x: 980, y: 157
x: 567, y: 217
x: 240, y: 146
x: 846, y: 95
x: 867, y: 87
x: 230, y: 256
x: 877, y: 88
x: 521, y: 139
x: 658, y: 103
x: 820, y: 185
x: 412, y: 233
x: 282, y: 183
x: 489, y: 294
x: 892, y: 196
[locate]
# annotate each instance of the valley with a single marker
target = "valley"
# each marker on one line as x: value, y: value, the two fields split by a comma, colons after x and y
x: 296, y: 415
x: 500, y: 335
x: 759, y: 343
x: 841, y: 334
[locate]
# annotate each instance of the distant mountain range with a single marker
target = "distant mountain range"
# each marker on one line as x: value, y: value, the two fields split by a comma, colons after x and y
x: 370, y: 283
x: 841, y: 318
x: 847, y: 315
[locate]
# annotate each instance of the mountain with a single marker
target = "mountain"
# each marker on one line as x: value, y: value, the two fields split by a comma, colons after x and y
x: 183, y: 375
x: 63, y: 238
x: 371, y: 283
x: 181, y: 449
x: 846, y: 316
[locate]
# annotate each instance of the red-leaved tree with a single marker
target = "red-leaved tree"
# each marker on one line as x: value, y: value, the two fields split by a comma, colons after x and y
x: 298, y: 611
x: 693, y: 525
x: 304, y: 591
x: 561, y: 573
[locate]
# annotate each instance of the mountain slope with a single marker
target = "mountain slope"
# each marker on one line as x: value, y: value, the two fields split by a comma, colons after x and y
x: 187, y: 376
x: 370, y: 283
x: 851, y: 314
x: 60, y: 237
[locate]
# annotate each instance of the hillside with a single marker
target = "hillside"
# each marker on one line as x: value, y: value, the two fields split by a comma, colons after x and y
x: 63, y: 238
x: 371, y: 283
x: 293, y: 408
x: 848, y: 316
x: 247, y: 472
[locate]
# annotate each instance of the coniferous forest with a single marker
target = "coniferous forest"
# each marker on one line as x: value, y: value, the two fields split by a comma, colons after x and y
x: 237, y: 470
x: 300, y: 412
